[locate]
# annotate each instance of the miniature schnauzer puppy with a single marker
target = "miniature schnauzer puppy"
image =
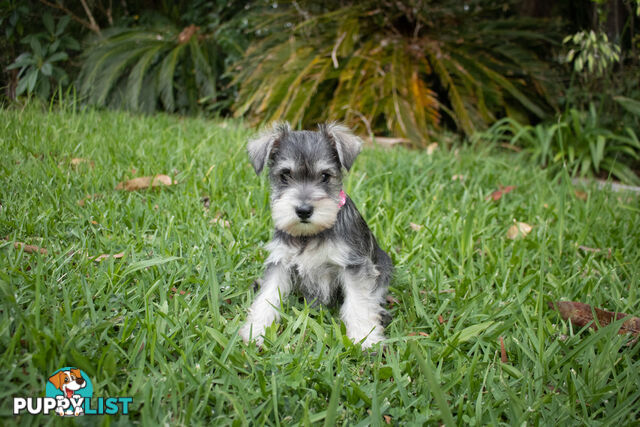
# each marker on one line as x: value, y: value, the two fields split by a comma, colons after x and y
x: 321, y: 245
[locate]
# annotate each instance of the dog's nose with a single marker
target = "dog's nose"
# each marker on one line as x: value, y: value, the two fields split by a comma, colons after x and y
x: 304, y: 211
x: 80, y: 381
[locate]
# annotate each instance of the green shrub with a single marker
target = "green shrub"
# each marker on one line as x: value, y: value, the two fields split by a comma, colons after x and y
x: 136, y: 68
x: 576, y: 140
x: 39, y: 67
x: 174, y: 62
x: 390, y: 67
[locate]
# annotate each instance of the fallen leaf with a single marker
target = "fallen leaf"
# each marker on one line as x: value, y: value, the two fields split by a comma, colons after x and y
x: 387, y: 418
x: 105, y: 256
x: 457, y: 178
x: 186, y: 33
x: 503, y: 352
x: 501, y: 191
x: 217, y: 219
x: 94, y: 222
x: 510, y: 147
x: 414, y: 226
x: 440, y: 319
x: 431, y: 148
x: 518, y: 230
x: 205, y: 202
x: 594, y: 250
x: 423, y: 334
x: 87, y: 198
x: 145, y: 182
x: 391, y: 300
x: 581, y: 195
x: 30, y: 249
x: 386, y: 141
x: 77, y: 161
x: 581, y: 314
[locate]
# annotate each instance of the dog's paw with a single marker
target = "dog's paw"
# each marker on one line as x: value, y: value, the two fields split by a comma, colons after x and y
x: 252, y: 332
x: 78, y: 411
x: 372, y: 339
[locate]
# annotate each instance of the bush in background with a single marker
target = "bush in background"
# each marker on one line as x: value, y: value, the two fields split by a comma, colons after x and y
x: 38, y: 69
x: 414, y: 69
x: 576, y: 140
x: 405, y: 68
x: 161, y: 64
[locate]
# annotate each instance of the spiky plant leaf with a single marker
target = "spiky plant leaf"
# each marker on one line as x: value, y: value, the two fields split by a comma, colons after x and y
x: 387, y: 68
x: 143, y: 68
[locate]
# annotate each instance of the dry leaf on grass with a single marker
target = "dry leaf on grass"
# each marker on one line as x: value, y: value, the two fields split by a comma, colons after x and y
x: 581, y: 195
x: 580, y: 314
x: 457, y: 178
x: 501, y: 191
x: 386, y: 141
x: 206, y: 202
x: 440, y: 319
x: 431, y: 148
x: 414, y: 226
x: 77, y: 161
x: 217, y: 219
x: 105, y: 256
x: 510, y: 147
x: 391, y: 300
x: 387, y: 419
x: 145, y: 182
x: 518, y: 230
x: 88, y: 198
x: 30, y: 249
x: 595, y: 250
x: 503, y: 352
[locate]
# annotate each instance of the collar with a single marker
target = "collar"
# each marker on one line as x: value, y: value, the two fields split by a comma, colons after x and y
x: 343, y: 199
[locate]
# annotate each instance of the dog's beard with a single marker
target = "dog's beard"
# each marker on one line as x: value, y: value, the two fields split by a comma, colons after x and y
x: 283, y: 211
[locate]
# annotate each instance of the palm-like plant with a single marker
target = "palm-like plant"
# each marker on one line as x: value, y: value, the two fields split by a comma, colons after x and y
x: 140, y: 67
x: 404, y: 68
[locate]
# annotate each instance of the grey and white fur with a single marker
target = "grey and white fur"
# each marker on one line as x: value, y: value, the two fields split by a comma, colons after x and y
x: 319, y: 248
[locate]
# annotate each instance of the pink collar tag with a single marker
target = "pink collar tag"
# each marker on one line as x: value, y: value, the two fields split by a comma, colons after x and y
x: 343, y: 199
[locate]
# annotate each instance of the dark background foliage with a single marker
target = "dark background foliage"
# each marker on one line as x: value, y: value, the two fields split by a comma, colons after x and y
x: 485, y: 70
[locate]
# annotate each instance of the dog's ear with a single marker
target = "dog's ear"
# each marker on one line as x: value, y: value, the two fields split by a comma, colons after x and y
x: 260, y: 147
x: 347, y: 144
x: 77, y: 373
x: 56, y: 379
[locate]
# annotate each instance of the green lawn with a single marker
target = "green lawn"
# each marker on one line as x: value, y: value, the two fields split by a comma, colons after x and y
x: 159, y: 324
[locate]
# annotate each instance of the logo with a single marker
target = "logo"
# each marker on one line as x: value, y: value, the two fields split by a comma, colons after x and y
x: 69, y: 393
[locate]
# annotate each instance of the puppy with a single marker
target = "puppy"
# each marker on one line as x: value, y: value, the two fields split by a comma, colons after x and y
x: 321, y: 245
x: 68, y: 382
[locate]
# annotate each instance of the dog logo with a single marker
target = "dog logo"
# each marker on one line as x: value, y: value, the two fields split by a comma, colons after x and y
x: 70, y: 387
x: 69, y: 393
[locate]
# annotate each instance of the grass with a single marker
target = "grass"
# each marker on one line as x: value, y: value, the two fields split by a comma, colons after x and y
x: 160, y: 324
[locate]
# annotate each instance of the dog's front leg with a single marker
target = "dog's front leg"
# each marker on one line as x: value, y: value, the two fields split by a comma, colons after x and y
x: 361, y: 310
x: 276, y: 284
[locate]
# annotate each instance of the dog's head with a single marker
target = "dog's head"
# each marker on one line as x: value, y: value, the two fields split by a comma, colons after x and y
x: 305, y: 170
x: 68, y: 381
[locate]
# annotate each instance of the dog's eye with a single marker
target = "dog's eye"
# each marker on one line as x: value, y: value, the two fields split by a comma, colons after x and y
x: 285, y: 175
x: 66, y: 380
x: 325, y: 177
